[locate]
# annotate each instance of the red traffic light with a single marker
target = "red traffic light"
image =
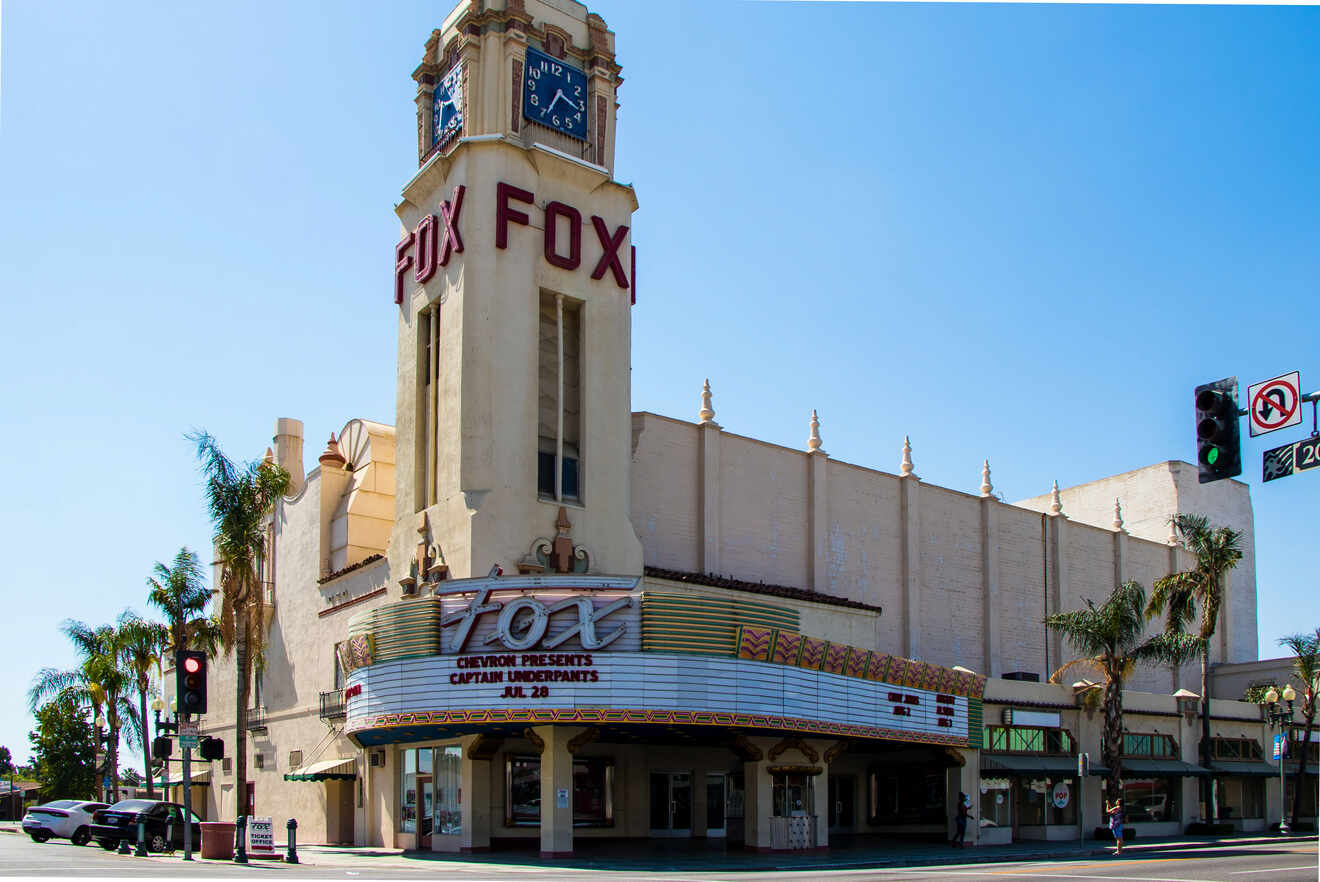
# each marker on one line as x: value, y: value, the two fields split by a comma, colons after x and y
x: 192, y: 664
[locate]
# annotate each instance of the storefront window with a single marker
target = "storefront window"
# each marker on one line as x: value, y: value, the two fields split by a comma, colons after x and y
x: 996, y: 802
x: 1150, y: 799
x: 1241, y: 797
x: 593, y: 792
x: 417, y: 789
x: 792, y: 796
x: 1235, y: 749
x: 1152, y: 745
x: 1047, y: 800
x: 449, y: 790
x: 1308, y: 793
x: 907, y: 796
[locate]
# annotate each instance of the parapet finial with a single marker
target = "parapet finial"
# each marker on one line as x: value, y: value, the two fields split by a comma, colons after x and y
x: 986, y: 487
x: 905, y: 467
x: 1056, y: 502
x: 813, y: 442
x: 1118, y: 515
x: 707, y: 412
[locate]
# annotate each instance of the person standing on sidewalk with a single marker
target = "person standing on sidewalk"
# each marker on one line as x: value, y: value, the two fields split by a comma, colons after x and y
x: 961, y: 820
x: 1115, y: 812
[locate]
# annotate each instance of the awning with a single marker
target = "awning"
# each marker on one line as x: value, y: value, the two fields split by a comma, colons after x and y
x: 200, y: 775
x: 1031, y: 764
x: 325, y: 770
x: 1245, y: 768
x: 1157, y: 768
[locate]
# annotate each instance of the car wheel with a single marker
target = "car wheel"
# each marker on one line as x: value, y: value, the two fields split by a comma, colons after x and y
x: 81, y: 836
x: 157, y: 843
x: 107, y: 844
x: 40, y: 837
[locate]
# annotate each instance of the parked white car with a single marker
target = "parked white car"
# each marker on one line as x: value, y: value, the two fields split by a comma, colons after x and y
x: 64, y: 818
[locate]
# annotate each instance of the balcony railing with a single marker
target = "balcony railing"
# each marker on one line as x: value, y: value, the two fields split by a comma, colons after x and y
x: 332, y: 705
x: 256, y: 718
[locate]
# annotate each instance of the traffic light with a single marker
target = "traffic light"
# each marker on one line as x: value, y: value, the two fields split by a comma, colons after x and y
x: 162, y: 746
x: 1218, y: 445
x: 190, y: 681
x: 211, y: 748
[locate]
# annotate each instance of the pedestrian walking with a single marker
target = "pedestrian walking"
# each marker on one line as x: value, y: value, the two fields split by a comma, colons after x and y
x: 960, y: 819
x: 1115, y: 811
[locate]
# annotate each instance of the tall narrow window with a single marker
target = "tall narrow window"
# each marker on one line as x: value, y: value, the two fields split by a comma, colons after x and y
x: 559, y: 411
x: 428, y: 333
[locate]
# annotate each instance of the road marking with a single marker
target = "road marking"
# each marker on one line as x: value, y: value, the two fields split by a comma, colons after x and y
x: 1274, y: 870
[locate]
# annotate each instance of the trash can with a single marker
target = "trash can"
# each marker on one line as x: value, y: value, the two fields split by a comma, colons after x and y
x: 218, y: 840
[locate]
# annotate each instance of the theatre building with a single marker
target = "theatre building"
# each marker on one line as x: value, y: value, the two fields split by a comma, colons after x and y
x: 526, y: 615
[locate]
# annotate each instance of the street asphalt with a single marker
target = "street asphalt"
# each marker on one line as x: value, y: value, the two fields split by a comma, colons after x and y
x: 1242, y: 859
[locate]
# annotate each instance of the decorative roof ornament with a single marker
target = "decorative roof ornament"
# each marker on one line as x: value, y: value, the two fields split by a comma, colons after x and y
x: 1118, y: 515
x: 332, y: 456
x: 987, y: 488
x: 1056, y: 502
x: 1173, y: 532
x: 905, y: 467
x: 269, y: 458
x: 707, y: 412
x: 813, y: 443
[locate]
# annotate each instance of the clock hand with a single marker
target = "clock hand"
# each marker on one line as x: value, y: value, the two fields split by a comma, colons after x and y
x: 559, y: 93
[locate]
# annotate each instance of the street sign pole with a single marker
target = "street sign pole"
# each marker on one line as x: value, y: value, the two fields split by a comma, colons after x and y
x: 187, y: 801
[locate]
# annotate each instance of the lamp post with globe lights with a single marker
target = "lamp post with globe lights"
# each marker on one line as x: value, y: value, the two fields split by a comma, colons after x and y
x: 1280, y: 718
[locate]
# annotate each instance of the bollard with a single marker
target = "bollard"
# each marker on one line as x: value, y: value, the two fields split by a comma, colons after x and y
x: 240, y: 840
x: 291, y: 856
x: 141, y: 850
x: 124, y: 847
x: 169, y: 835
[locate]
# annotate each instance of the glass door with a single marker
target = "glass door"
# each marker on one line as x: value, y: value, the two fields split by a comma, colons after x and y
x: 425, y: 810
x: 716, y: 793
x: 843, y: 801
x: 671, y: 804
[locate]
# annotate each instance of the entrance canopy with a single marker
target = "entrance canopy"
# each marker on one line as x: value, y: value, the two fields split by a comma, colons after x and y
x: 325, y: 770
x: 1029, y: 764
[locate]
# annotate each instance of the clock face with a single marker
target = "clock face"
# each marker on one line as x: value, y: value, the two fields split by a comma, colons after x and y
x: 555, y: 94
x: 447, y: 110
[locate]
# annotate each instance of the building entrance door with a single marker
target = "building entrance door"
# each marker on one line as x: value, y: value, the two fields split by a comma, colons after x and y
x: 716, y: 799
x: 425, y: 810
x: 671, y: 803
x: 843, y: 801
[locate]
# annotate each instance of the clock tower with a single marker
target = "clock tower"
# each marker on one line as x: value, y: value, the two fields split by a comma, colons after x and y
x: 513, y: 282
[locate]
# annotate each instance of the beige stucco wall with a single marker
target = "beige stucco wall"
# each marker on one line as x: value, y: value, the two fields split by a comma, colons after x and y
x: 1149, y: 497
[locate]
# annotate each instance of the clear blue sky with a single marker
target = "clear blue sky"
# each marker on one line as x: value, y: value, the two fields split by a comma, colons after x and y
x: 1022, y: 232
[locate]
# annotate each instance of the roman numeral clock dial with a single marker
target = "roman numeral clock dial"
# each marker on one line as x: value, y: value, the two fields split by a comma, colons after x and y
x: 555, y: 95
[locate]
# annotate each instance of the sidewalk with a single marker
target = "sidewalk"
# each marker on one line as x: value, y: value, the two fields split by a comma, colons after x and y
x: 707, y: 856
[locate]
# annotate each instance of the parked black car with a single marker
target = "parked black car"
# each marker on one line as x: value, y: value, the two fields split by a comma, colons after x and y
x: 164, y: 824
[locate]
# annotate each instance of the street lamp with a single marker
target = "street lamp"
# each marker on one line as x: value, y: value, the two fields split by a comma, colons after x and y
x: 1280, y: 718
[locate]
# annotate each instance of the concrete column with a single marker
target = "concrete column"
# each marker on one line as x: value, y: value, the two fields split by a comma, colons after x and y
x: 965, y: 779
x: 910, y: 511
x: 699, y: 803
x: 821, y: 796
x: 757, y: 806
x: 556, y: 790
x: 993, y: 666
x: 818, y: 517
x: 710, y: 497
x: 476, y: 805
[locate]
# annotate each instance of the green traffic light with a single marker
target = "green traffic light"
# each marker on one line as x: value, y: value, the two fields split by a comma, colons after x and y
x: 1212, y: 455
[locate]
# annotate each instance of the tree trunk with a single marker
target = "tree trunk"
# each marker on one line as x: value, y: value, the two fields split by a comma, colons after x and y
x: 146, y: 741
x: 1207, y: 783
x: 241, y: 665
x: 1299, y: 782
x: 112, y: 758
x: 1111, y: 746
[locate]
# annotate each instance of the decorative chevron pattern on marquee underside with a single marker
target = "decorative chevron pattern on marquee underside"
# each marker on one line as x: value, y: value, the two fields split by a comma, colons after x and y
x: 782, y: 647
x: 542, y: 716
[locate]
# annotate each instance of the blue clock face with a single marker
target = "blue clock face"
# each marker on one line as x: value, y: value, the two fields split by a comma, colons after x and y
x: 447, y: 110
x: 555, y: 94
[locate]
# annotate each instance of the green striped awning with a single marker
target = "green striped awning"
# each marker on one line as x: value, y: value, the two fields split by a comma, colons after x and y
x: 325, y: 770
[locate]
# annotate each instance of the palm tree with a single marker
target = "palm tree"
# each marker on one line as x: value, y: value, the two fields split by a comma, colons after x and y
x: 141, y: 643
x: 180, y: 593
x: 1108, y: 638
x: 240, y: 498
x: 1180, y: 595
x: 100, y: 681
x: 1306, y: 667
